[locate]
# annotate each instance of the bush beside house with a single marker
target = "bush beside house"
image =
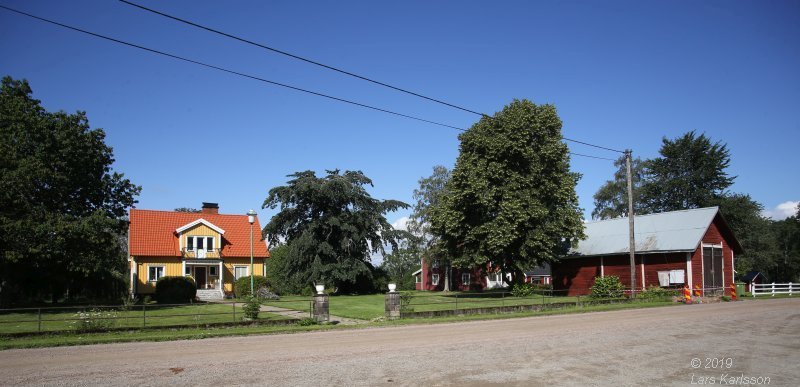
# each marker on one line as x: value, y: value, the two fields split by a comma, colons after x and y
x: 175, y: 290
x: 609, y: 286
x: 242, y: 285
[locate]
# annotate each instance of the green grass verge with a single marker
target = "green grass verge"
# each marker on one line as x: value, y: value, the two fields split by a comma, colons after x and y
x: 749, y: 296
x: 166, y: 334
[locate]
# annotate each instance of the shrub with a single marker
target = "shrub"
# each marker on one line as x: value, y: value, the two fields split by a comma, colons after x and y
x: 522, y: 290
x: 128, y: 302
x: 94, y: 320
x: 542, y: 286
x: 657, y: 293
x: 175, y: 290
x: 251, y: 308
x: 405, y: 302
x: 242, y: 285
x: 307, y: 321
x: 607, y: 287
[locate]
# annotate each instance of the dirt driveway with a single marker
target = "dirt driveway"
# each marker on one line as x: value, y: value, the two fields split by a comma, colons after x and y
x: 634, y: 347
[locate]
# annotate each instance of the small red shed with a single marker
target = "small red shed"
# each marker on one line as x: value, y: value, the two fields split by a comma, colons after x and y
x: 673, y: 249
x: 753, y: 278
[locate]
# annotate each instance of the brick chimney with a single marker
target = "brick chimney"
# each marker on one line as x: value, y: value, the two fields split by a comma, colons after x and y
x: 210, y: 208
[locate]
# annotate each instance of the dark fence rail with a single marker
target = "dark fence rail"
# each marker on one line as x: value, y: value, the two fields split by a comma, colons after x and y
x: 111, y: 317
x: 438, y: 303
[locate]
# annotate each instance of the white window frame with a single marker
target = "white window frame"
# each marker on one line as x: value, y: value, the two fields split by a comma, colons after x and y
x: 435, y: 279
x: 417, y: 279
x: 212, y: 271
x: 246, y: 270
x: 205, y: 243
x: 465, y: 280
x: 150, y: 277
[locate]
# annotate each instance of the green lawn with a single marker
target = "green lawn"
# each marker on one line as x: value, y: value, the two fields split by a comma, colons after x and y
x: 364, y: 307
x: 165, y: 334
x: 154, y: 315
x: 367, y: 307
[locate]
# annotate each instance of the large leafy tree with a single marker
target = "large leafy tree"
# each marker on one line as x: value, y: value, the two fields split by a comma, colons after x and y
x: 611, y: 200
x: 690, y: 173
x: 428, y: 195
x: 401, y: 263
x: 511, y: 200
x: 62, y: 209
x: 752, y: 230
x: 786, y: 266
x: 331, y: 226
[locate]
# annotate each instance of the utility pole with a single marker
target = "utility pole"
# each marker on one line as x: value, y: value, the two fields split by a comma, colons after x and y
x: 251, y: 218
x: 631, y: 238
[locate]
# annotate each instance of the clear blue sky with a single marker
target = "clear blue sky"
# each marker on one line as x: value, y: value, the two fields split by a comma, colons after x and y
x: 622, y: 74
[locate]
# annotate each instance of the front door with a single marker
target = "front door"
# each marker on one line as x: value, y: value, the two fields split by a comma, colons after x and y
x: 200, y: 276
x: 712, y: 268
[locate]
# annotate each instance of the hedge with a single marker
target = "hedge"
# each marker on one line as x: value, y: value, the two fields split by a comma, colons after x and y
x: 175, y: 290
x: 242, y: 285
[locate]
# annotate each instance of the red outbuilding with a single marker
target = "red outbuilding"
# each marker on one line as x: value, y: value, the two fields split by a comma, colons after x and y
x: 691, y: 247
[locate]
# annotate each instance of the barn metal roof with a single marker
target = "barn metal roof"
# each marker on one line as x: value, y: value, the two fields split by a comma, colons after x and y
x: 675, y: 231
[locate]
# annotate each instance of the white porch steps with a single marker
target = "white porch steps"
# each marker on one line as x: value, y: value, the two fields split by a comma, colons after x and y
x: 209, y: 294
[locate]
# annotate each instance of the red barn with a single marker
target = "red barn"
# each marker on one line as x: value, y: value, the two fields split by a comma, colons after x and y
x: 673, y: 249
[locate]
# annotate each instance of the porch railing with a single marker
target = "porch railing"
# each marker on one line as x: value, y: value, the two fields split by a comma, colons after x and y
x: 201, y: 253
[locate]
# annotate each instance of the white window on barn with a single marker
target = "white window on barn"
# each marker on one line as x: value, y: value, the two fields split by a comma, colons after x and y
x: 435, y: 279
x: 418, y: 279
x: 465, y: 278
x: 497, y: 277
x: 154, y: 273
x: 240, y: 271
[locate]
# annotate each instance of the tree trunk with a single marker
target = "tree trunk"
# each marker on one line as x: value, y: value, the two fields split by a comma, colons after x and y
x: 517, y: 277
x: 447, y: 278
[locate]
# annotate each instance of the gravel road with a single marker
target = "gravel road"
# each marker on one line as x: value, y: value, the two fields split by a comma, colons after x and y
x: 632, y: 347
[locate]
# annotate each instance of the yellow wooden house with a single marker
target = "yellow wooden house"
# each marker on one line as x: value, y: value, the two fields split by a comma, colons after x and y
x: 213, y: 248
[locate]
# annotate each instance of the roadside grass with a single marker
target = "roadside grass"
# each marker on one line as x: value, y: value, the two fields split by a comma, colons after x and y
x: 163, y: 334
x: 138, y: 316
x: 167, y: 334
x: 748, y: 296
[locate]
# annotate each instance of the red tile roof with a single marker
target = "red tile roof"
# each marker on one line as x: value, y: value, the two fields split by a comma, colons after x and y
x: 152, y: 233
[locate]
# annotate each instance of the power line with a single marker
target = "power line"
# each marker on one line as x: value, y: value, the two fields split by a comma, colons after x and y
x: 228, y: 70
x: 596, y: 146
x: 273, y: 49
x: 250, y: 76
x: 593, y: 157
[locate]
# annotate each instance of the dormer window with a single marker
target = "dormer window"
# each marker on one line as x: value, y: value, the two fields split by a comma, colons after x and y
x: 199, y: 243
